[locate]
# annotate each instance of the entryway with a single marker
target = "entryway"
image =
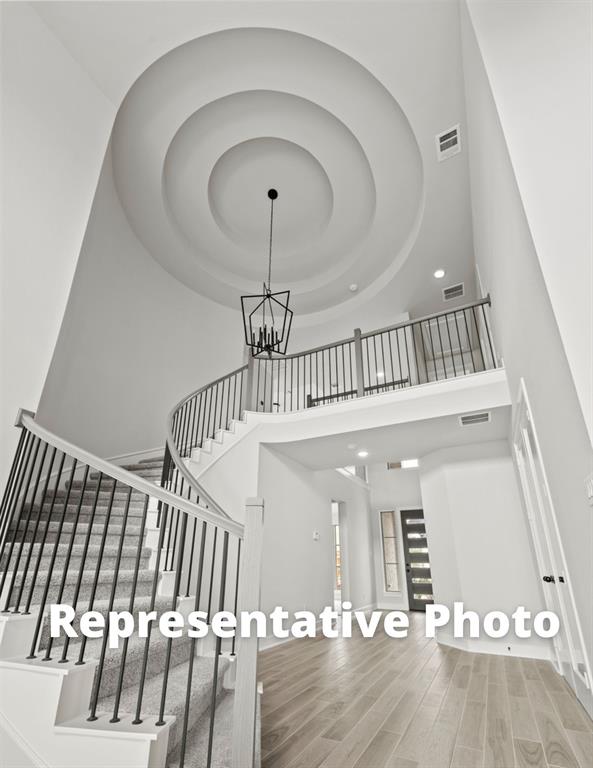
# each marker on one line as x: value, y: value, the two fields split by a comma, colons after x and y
x: 418, y: 575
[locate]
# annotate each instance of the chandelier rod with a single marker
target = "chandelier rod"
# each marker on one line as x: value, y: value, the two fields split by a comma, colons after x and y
x: 270, y: 248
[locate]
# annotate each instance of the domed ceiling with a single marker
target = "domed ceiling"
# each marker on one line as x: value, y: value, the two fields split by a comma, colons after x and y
x: 212, y: 125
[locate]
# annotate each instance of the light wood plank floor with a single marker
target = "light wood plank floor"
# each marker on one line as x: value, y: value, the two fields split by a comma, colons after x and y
x: 410, y: 703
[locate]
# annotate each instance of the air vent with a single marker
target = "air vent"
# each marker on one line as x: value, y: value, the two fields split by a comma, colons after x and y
x: 403, y: 464
x: 448, y: 143
x: 453, y: 292
x: 474, y: 418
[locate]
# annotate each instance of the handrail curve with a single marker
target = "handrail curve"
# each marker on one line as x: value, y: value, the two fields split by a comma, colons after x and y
x: 26, y: 419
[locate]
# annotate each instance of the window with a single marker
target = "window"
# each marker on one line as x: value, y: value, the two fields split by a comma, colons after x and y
x: 389, y: 551
x: 338, y: 556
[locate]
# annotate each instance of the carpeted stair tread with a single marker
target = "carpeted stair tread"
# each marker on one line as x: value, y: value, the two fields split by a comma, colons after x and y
x: 200, y: 697
x: 157, y: 648
x: 103, y: 587
x: 196, y: 747
x: 128, y: 555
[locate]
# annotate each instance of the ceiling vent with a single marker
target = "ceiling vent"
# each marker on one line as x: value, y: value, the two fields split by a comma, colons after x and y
x: 453, y: 292
x: 448, y: 143
x: 474, y: 418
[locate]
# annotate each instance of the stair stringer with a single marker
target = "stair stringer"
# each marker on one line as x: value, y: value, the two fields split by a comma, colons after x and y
x: 54, y: 731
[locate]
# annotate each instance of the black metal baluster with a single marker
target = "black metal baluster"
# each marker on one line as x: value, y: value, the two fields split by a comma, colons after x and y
x: 450, y: 345
x: 473, y: 309
x: 460, y: 344
x: 236, y: 592
x: 487, y: 327
x: 441, y: 343
x: 351, y: 367
x: 12, y: 478
x: 161, y: 720
x: 434, y: 360
x: 17, y: 519
x: 239, y: 404
x: 124, y: 652
x: 317, y: 375
x: 212, y: 573
x: 36, y: 528
x: 69, y: 554
x: 192, y: 431
x: 83, y: 560
x: 191, y: 556
x: 106, y: 524
x: 25, y: 531
x: 423, y: 350
x: 54, y: 555
x: 45, y: 531
x: 99, y: 672
x: 225, y: 548
x: 469, y: 341
x: 155, y: 580
x: 12, y: 497
x: 405, y: 329
x: 203, y: 418
x: 190, y: 670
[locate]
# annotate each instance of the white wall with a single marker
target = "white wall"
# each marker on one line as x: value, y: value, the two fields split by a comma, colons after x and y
x: 525, y: 326
x: 391, y: 490
x: 134, y: 341
x: 55, y: 124
x: 478, y: 539
x: 128, y: 393
x: 297, y: 571
x: 538, y: 60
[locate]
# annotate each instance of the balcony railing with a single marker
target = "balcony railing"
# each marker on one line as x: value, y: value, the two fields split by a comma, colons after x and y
x: 434, y: 348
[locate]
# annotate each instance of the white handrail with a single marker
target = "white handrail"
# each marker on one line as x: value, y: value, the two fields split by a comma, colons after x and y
x: 26, y: 419
x: 190, y: 479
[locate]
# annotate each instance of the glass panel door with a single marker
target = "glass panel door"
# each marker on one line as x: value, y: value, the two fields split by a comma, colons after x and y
x: 418, y: 575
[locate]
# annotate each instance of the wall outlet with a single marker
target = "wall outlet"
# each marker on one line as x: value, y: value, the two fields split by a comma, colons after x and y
x: 315, y: 535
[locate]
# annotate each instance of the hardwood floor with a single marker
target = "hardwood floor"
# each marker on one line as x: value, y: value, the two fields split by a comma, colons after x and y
x: 378, y: 703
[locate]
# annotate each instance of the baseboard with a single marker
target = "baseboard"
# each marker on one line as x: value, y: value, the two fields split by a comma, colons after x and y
x: 518, y: 649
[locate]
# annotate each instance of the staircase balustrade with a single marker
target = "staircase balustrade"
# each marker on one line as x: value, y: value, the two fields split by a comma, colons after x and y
x: 78, y: 530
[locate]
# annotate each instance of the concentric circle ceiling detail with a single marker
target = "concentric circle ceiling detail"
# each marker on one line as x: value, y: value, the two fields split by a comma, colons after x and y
x: 210, y: 127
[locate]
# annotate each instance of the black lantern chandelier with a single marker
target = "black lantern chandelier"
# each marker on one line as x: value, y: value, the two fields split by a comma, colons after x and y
x: 266, y: 316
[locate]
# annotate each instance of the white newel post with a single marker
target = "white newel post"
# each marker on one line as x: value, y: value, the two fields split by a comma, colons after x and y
x: 247, y: 647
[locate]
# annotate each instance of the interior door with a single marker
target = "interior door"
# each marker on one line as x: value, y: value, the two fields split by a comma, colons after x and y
x: 418, y: 576
x: 571, y: 660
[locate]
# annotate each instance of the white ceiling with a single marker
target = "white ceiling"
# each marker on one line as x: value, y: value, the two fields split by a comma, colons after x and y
x: 403, y: 441
x: 334, y: 104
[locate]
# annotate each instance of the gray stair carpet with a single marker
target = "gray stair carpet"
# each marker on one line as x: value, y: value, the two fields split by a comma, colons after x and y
x: 50, y: 521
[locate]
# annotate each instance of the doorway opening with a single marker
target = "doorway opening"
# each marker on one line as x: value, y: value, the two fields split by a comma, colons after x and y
x: 418, y: 574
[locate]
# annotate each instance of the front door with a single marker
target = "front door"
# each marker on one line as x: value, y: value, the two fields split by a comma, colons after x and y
x: 418, y: 574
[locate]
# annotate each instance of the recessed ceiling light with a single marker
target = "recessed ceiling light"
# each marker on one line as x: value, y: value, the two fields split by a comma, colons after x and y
x: 354, y: 287
x: 439, y: 273
x: 380, y: 375
x: 409, y: 463
x: 362, y: 454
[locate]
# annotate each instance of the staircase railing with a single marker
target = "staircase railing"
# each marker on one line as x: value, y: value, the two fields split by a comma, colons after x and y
x: 78, y: 530
x: 432, y: 348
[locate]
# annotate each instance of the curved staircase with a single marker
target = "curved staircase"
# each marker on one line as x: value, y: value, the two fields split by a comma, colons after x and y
x: 78, y: 530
